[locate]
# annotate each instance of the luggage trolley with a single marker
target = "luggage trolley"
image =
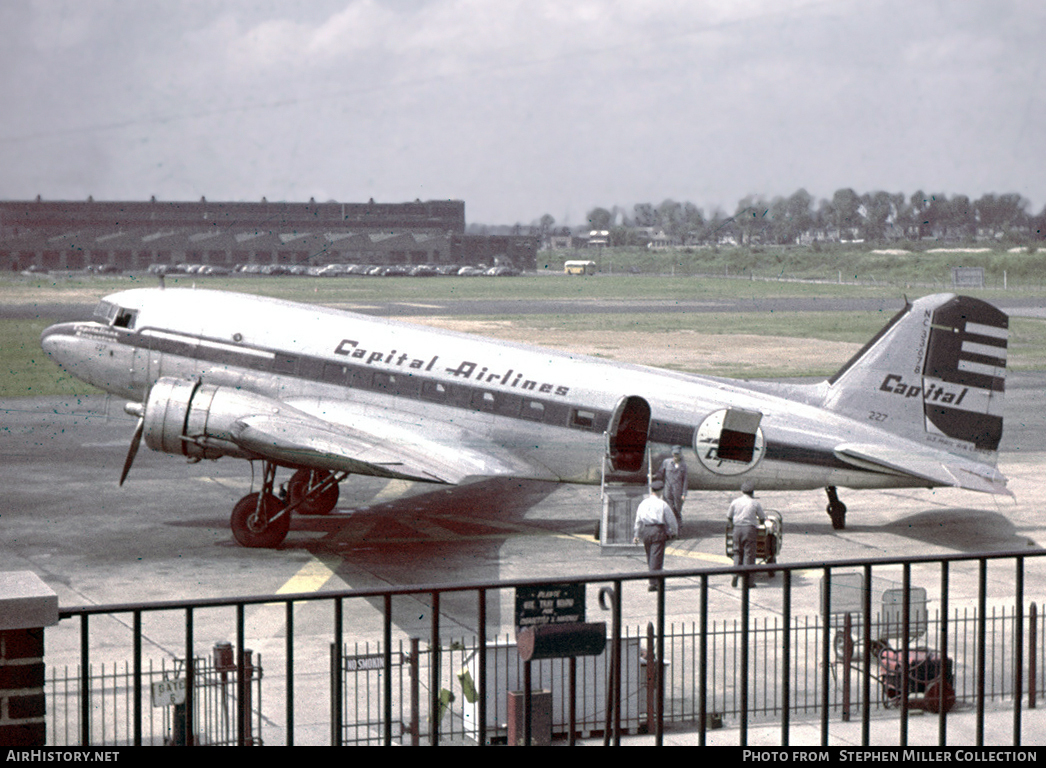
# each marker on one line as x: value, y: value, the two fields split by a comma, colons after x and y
x: 930, y: 678
x: 768, y: 546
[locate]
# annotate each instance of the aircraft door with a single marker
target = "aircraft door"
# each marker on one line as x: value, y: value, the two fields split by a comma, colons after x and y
x: 730, y: 441
x: 627, y: 434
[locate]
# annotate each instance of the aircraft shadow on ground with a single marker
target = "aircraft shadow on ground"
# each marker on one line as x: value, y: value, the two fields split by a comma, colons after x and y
x: 442, y: 535
x: 404, y: 529
x: 962, y: 529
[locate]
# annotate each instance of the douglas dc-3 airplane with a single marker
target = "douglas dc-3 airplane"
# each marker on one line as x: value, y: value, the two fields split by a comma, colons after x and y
x: 328, y: 393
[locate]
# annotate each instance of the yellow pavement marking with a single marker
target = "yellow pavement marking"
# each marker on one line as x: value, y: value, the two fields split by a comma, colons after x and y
x: 392, y: 490
x: 309, y: 578
x: 720, y: 559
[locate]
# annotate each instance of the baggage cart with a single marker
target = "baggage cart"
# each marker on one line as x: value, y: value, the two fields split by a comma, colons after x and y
x: 771, y: 534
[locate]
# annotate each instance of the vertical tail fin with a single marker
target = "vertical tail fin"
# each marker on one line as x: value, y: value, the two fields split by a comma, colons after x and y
x: 935, y: 374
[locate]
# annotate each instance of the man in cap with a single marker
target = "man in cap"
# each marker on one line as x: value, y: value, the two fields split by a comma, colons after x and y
x: 746, y: 514
x: 673, y: 474
x: 655, y: 524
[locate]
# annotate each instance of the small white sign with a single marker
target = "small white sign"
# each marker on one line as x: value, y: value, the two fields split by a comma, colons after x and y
x: 169, y: 692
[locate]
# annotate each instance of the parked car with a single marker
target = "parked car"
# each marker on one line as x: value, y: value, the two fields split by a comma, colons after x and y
x: 333, y: 270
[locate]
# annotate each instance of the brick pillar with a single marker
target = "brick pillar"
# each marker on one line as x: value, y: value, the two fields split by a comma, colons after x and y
x: 27, y: 605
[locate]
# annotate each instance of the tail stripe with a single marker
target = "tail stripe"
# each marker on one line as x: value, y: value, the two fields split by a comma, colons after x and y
x: 975, y: 358
x: 984, y: 350
x: 987, y: 330
x: 995, y: 371
x: 936, y: 374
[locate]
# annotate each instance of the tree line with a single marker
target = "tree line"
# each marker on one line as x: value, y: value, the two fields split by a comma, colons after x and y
x: 873, y: 217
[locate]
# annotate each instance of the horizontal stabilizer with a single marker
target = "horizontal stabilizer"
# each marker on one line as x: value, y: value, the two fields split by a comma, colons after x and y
x: 937, y: 469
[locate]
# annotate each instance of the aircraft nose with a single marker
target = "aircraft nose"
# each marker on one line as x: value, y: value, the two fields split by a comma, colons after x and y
x: 55, y: 340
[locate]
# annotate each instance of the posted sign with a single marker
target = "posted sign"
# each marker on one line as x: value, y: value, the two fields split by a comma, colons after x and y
x: 169, y: 692
x: 556, y: 604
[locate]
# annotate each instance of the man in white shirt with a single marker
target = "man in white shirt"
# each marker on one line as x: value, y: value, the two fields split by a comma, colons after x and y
x: 746, y: 514
x: 655, y: 525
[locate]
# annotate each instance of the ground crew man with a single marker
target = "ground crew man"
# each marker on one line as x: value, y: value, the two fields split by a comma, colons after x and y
x: 655, y: 525
x: 673, y: 474
x: 746, y: 514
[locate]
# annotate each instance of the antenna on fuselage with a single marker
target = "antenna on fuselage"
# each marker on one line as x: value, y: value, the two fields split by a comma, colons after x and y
x: 162, y: 283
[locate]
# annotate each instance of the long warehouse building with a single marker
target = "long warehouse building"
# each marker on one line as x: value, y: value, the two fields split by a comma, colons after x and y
x: 129, y: 236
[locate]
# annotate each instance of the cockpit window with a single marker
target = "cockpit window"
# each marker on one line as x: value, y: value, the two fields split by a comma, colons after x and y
x: 105, y: 312
x: 116, y: 316
x: 125, y: 318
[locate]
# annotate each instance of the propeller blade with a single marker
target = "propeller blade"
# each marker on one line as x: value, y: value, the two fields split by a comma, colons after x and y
x: 135, y: 442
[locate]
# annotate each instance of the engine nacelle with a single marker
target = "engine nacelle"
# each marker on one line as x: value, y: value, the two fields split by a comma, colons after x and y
x: 194, y: 419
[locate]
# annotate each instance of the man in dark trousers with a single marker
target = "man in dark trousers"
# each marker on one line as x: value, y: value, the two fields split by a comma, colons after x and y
x: 746, y: 514
x: 673, y: 473
x: 655, y: 525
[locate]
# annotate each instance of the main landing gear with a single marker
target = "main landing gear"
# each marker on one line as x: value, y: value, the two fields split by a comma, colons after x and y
x: 836, y: 509
x: 263, y: 519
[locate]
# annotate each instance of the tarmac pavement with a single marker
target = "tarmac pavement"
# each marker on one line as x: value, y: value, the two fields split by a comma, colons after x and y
x: 165, y: 536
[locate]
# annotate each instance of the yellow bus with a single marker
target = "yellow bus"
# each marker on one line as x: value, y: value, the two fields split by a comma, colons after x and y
x: 579, y: 267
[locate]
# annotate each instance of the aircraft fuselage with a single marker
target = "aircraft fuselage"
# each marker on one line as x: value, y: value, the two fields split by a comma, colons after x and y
x: 549, y: 408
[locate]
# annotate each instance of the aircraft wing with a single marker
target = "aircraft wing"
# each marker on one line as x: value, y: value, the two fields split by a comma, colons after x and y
x: 939, y: 469
x: 381, y: 446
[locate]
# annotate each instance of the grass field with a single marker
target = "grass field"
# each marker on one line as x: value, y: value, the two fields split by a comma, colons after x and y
x: 724, y: 344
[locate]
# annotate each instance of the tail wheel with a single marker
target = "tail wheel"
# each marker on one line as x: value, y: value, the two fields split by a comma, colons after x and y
x: 299, y: 486
x: 253, y: 523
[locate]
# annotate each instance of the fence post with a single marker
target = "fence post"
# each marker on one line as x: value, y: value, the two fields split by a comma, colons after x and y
x: 651, y: 679
x: 848, y: 652
x: 27, y: 606
x: 1033, y: 648
x: 415, y: 692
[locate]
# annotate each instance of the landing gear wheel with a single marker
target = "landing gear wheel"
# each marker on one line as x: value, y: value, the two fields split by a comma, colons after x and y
x: 939, y: 695
x: 891, y: 696
x: 259, y: 530
x: 836, y: 509
x: 299, y: 485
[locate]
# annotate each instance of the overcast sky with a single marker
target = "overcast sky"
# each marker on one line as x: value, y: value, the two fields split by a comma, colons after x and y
x: 520, y: 107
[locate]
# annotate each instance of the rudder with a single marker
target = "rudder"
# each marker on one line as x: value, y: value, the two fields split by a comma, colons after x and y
x: 935, y: 373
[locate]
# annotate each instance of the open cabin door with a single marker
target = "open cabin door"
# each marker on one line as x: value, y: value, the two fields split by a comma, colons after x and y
x: 627, y: 434
x: 626, y: 452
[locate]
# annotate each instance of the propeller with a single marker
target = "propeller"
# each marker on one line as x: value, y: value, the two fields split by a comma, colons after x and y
x: 135, y: 409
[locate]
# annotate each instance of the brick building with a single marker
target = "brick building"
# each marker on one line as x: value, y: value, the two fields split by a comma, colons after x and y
x: 129, y: 236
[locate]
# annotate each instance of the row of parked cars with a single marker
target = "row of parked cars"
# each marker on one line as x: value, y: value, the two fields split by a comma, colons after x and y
x: 334, y: 270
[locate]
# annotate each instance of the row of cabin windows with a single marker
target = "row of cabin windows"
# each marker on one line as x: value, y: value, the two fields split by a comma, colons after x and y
x: 402, y: 385
x: 484, y: 400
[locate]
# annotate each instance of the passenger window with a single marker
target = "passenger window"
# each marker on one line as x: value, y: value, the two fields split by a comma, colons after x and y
x: 483, y: 401
x: 534, y: 410
x: 285, y: 364
x: 334, y: 372
x: 582, y: 419
x: 433, y: 390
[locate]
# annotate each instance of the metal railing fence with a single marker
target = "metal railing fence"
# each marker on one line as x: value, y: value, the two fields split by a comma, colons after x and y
x: 381, y: 692
x: 112, y: 703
